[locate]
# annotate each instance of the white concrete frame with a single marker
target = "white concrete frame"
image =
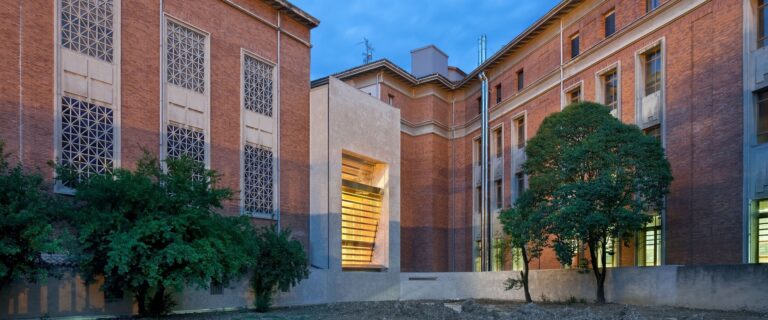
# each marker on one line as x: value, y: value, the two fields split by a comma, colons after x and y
x: 518, y: 153
x: 600, y: 85
x: 243, y: 140
x: 639, y: 58
x: 58, y: 91
x: 500, y: 165
x: 164, y: 85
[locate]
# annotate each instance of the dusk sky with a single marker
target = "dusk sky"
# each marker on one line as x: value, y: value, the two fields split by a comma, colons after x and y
x: 396, y: 27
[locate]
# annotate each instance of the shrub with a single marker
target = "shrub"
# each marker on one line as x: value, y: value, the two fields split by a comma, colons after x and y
x: 280, y: 265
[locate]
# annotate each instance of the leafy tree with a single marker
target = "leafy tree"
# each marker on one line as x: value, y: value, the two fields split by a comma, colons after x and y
x: 26, y: 212
x: 151, y: 232
x: 280, y: 265
x: 599, y: 178
x: 524, y: 223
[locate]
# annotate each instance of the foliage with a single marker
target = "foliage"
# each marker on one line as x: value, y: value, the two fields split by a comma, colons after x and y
x: 526, y: 228
x: 597, y: 178
x: 280, y: 265
x: 26, y: 212
x: 151, y: 231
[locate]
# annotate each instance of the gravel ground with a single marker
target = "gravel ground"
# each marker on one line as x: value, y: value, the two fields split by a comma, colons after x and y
x: 471, y: 309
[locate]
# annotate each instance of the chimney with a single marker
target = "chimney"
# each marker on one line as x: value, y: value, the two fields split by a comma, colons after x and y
x: 428, y: 60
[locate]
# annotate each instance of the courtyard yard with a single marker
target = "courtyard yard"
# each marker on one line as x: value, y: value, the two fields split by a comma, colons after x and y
x: 471, y: 309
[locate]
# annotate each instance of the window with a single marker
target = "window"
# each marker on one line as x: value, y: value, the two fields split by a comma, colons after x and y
x: 478, y: 152
x: 610, y: 24
x: 649, y: 243
x: 517, y: 259
x: 361, y: 203
x: 652, y: 71
x: 654, y: 131
x: 480, y: 104
x: 185, y: 57
x: 257, y: 86
x: 611, y: 253
x: 479, y: 195
x: 498, y: 93
x: 87, y: 137
x: 258, y: 195
x: 574, y: 96
x: 610, y: 91
x: 498, y: 187
x: 520, y: 124
x: 762, y: 117
x: 762, y: 23
x: 391, y: 100
x: 574, y: 46
x: 86, y: 27
x: 762, y: 231
x: 185, y: 141
x: 520, y: 80
x: 651, y: 5
x: 499, y: 139
x: 519, y: 183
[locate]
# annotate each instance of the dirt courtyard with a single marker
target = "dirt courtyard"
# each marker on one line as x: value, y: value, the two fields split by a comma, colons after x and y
x: 472, y: 309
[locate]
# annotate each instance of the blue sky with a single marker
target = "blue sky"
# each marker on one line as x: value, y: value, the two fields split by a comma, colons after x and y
x: 395, y: 27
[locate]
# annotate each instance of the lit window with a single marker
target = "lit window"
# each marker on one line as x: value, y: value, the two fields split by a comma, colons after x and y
x: 762, y: 23
x: 517, y: 259
x: 185, y: 57
x: 649, y: 243
x: 87, y: 137
x: 498, y: 93
x: 257, y: 86
x: 611, y: 253
x: 574, y: 46
x: 86, y: 27
x: 652, y: 71
x: 610, y: 24
x: 610, y: 91
x: 651, y: 5
x: 361, y: 204
x: 520, y: 124
x: 520, y: 80
x: 258, y: 195
x: 185, y: 141
x: 762, y: 231
x: 762, y: 117
x: 499, y: 142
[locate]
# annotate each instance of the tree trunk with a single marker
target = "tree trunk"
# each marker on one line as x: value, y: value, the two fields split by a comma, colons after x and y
x: 524, y: 276
x: 141, y: 299
x: 599, y: 275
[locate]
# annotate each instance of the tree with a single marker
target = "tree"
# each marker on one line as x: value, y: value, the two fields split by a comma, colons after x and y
x: 280, y: 265
x: 524, y: 223
x: 150, y: 232
x: 600, y: 179
x: 26, y: 212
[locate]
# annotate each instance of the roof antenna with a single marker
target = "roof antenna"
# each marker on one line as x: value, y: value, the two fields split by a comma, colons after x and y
x: 368, y: 54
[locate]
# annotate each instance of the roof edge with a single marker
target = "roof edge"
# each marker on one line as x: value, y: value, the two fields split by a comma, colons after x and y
x: 295, y: 12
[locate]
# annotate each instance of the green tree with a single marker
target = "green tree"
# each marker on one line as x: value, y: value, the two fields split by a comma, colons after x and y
x: 280, y: 265
x: 27, y: 210
x: 525, y: 225
x: 151, y: 232
x: 599, y: 178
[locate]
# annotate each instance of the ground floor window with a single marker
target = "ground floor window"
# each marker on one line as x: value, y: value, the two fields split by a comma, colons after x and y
x: 360, y: 211
x: 649, y: 243
x: 762, y: 231
x: 611, y: 253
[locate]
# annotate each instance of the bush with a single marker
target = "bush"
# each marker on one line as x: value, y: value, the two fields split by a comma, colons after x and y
x: 280, y: 265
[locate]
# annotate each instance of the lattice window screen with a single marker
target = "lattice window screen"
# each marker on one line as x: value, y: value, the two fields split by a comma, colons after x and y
x: 185, y: 57
x: 185, y: 141
x: 86, y: 27
x: 258, y: 83
x: 87, y: 137
x: 258, y: 183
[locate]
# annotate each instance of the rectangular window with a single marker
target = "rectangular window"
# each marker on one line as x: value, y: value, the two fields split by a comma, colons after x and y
x: 185, y: 141
x: 185, y: 57
x: 257, y: 86
x: 762, y: 231
x: 520, y: 124
x: 498, y: 187
x: 520, y: 80
x: 87, y: 27
x: 611, y: 253
x: 652, y: 71
x: 479, y: 199
x: 258, y: 170
x: 480, y: 104
x: 574, y: 46
x: 762, y: 23
x: 499, y: 139
x: 498, y: 93
x: 649, y: 243
x: 610, y: 24
x: 217, y: 288
x: 574, y: 96
x: 651, y: 5
x: 610, y: 91
x: 87, y: 138
x: 519, y: 183
x: 762, y: 117
x: 391, y: 100
x: 478, y: 152
x: 361, y: 203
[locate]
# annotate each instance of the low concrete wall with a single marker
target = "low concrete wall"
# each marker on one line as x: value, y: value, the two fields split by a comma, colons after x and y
x: 728, y: 287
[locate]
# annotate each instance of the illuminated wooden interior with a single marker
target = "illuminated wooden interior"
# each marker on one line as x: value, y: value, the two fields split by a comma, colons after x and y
x: 360, y: 212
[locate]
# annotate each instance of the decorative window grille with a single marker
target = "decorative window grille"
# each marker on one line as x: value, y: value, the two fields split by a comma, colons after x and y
x: 185, y: 57
x: 86, y: 27
x: 87, y: 137
x: 187, y: 141
x: 257, y: 81
x: 258, y: 183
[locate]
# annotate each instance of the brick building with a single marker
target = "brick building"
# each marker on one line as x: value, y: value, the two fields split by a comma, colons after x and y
x: 690, y: 72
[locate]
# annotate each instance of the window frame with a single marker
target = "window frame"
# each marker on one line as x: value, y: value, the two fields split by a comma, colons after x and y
x: 640, y: 88
x: 568, y: 91
x: 758, y: 229
x: 600, y: 88
x: 575, y: 47
x: 612, y: 15
x: 761, y: 137
x: 520, y: 76
x: 498, y: 93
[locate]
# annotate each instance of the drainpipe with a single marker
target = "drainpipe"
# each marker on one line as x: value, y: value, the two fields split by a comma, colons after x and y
x: 484, y: 203
x: 562, y: 101
x: 277, y: 127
